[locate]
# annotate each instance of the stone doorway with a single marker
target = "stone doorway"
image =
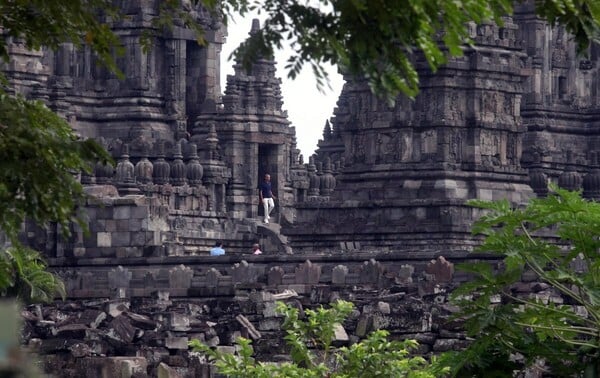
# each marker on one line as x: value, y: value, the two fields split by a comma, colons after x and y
x: 267, y: 163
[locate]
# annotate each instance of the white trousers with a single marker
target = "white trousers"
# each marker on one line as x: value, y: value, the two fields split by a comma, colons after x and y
x: 268, y: 205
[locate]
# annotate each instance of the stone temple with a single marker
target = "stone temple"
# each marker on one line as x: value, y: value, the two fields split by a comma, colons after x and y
x: 383, y: 195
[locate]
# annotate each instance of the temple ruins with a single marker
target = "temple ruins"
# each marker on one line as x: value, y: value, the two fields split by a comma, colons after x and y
x: 378, y: 214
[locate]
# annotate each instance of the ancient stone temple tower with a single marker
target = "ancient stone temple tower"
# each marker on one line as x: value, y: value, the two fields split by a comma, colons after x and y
x: 189, y: 158
x: 255, y: 135
x: 560, y: 108
x: 409, y: 168
x: 518, y: 109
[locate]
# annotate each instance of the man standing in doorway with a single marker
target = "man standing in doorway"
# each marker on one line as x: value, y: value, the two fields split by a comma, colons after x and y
x: 267, y: 197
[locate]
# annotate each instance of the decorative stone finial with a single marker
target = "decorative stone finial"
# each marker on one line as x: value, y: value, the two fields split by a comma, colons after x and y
x: 327, y: 131
x: 178, y: 174
x: 212, y: 141
x: 255, y: 26
x: 125, y: 175
x: 144, y: 168
x: 195, y: 171
x: 538, y: 182
x: 125, y: 169
x: 315, y: 181
x: 327, y: 179
x: 162, y: 169
x: 570, y: 179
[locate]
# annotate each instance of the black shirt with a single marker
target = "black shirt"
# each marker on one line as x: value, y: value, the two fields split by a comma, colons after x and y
x: 265, y: 188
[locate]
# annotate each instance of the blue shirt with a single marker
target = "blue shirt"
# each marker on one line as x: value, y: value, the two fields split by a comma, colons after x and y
x: 265, y: 188
x: 217, y: 251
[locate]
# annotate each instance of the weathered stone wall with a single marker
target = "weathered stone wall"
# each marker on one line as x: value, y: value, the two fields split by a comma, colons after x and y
x: 140, y: 324
x: 133, y: 318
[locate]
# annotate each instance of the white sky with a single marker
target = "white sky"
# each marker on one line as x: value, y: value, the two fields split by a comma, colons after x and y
x: 308, y: 109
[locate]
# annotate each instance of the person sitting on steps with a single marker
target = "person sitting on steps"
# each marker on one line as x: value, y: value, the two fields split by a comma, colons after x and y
x: 217, y: 250
x: 267, y: 197
x: 256, y: 249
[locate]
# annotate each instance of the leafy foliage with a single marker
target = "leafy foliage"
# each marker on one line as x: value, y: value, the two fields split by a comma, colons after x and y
x: 312, y: 354
x: 377, y: 39
x: 40, y: 155
x: 50, y: 23
x: 23, y: 275
x: 564, y: 333
x: 39, y: 159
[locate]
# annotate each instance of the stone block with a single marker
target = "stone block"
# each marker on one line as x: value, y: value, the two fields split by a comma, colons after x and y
x: 444, y: 345
x: 300, y: 289
x: 71, y: 331
x: 179, y: 322
x: 440, y: 269
x: 226, y: 349
x: 271, y: 324
x: 119, y: 278
x: 484, y: 194
x: 308, y: 273
x: 180, y: 277
x: 269, y: 310
x: 105, y: 212
x: 136, y: 251
x: 371, y: 272
x: 123, y: 225
x: 115, y: 308
x: 80, y: 350
x: 141, y: 321
x: 91, y: 316
x: 98, y: 320
x: 176, y: 361
x: 244, y: 273
x: 213, y: 341
x: 384, y: 308
x: 135, y: 225
x: 120, y: 329
x: 248, y: 327
x: 463, y: 193
x: 104, y: 239
x: 111, y: 225
x: 122, y: 212
x: 212, y: 277
x: 404, y: 275
x: 139, y: 212
x: 121, y: 239
x: 138, y: 238
x: 340, y: 333
x: 121, y: 252
x: 261, y: 296
x: 364, y: 326
x: 180, y: 343
x: 338, y: 275
x: 98, y: 225
x: 165, y: 371
x: 124, y: 366
x: 275, y: 276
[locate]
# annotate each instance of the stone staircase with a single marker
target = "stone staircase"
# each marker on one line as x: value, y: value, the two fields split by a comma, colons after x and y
x: 270, y: 238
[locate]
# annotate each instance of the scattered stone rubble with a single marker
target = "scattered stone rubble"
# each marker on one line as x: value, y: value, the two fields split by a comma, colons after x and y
x: 147, y: 336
